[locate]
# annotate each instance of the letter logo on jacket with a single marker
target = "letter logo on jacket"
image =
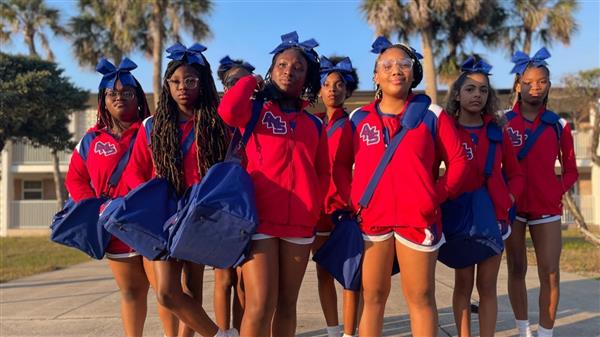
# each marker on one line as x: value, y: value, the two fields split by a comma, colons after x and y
x: 275, y: 123
x: 515, y: 137
x: 369, y: 134
x: 468, y: 151
x: 105, y: 149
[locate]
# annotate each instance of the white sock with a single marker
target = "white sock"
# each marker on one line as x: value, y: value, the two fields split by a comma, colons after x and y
x: 221, y: 333
x: 543, y: 332
x: 524, y: 328
x: 334, y: 331
x: 346, y: 335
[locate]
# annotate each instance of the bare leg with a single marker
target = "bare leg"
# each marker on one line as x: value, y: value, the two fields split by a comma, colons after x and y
x: 487, y: 279
x: 516, y: 259
x: 547, y: 241
x: 170, y: 322
x: 464, y: 279
x: 327, y: 293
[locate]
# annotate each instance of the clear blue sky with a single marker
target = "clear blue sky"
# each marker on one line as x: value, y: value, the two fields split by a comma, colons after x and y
x: 251, y: 29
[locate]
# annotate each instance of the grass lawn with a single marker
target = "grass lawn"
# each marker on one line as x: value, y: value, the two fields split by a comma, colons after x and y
x: 578, y: 255
x: 24, y: 256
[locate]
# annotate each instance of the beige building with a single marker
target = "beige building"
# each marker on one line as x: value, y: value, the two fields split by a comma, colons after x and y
x: 28, y: 200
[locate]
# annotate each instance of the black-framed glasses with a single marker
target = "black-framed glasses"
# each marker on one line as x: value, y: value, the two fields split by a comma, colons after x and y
x: 127, y: 95
x: 188, y: 82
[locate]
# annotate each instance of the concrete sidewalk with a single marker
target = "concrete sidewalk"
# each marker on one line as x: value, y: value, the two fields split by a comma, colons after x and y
x: 83, y: 301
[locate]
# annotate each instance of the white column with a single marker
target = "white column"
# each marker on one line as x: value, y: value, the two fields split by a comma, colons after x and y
x: 6, y: 188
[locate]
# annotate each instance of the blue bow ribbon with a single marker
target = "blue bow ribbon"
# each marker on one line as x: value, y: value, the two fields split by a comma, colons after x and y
x: 227, y: 63
x: 190, y: 55
x: 290, y: 40
x: 522, y: 60
x: 344, y: 67
x: 470, y: 66
x: 112, y: 74
x: 382, y: 43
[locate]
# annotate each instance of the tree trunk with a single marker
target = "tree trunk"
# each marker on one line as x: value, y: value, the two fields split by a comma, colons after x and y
x: 429, y: 66
x: 157, y: 46
x: 29, y: 36
x: 527, y: 42
x: 579, y: 220
x: 60, y: 198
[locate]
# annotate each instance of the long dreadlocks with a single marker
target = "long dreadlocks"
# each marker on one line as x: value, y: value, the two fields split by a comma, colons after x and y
x: 212, y: 135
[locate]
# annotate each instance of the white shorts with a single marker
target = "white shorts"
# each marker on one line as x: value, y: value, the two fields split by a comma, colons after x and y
x: 538, y: 220
x: 121, y: 255
x: 298, y: 241
x: 323, y: 233
x: 404, y: 241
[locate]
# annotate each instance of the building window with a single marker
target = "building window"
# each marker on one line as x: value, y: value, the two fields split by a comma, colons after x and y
x: 32, y: 190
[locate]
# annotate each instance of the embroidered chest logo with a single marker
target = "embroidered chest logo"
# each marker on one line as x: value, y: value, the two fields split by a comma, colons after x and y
x: 369, y: 134
x: 276, y: 123
x: 105, y: 149
x: 516, y: 138
x: 468, y: 151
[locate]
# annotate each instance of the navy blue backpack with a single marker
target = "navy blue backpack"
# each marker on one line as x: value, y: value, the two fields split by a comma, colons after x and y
x: 219, y: 216
x: 341, y: 254
x: 469, y: 222
x: 138, y: 219
x: 77, y: 224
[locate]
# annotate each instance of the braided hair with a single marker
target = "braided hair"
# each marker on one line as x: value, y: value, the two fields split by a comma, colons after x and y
x: 211, y: 133
x: 312, y: 83
x: 105, y: 120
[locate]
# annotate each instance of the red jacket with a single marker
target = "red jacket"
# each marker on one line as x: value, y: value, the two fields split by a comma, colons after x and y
x: 543, y: 189
x: 505, y: 164
x: 141, y: 166
x: 89, y: 178
x: 408, y: 193
x: 287, y: 159
x: 338, y: 194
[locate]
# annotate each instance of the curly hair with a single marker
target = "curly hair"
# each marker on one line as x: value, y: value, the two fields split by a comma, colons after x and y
x: 491, y: 104
x: 105, y: 120
x: 211, y: 133
x: 312, y: 83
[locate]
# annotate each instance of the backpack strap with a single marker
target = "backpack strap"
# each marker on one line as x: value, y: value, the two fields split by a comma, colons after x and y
x: 116, y: 175
x: 494, y: 134
x: 412, y: 118
x: 238, y: 140
x: 548, y: 118
x: 336, y: 125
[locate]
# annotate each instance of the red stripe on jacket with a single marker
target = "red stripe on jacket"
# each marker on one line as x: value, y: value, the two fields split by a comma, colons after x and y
x: 287, y: 159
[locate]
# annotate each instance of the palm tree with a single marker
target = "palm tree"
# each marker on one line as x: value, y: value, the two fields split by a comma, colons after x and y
x: 104, y: 28
x: 547, y: 20
x: 165, y: 19
x: 31, y: 18
x: 480, y: 21
x: 415, y: 16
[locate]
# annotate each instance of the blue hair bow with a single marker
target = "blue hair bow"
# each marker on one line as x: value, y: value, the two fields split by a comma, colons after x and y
x: 344, y: 67
x: 470, y: 66
x: 112, y: 74
x: 191, y: 55
x: 290, y: 40
x: 227, y: 63
x: 522, y: 60
x: 382, y: 43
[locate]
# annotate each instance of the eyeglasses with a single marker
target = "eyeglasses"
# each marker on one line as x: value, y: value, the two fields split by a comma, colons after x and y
x: 188, y: 82
x: 388, y: 65
x: 127, y: 95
